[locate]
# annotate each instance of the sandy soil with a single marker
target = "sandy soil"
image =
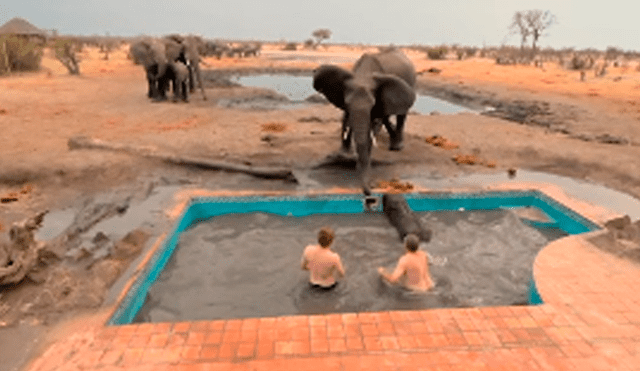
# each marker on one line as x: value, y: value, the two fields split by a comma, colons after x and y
x: 555, y: 123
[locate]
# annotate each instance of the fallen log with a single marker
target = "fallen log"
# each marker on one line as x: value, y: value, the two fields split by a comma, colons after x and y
x: 148, y: 152
x: 397, y: 210
x: 21, y: 255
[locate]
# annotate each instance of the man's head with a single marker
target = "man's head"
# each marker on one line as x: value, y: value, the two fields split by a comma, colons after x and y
x: 411, y: 242
x: 325, y: 236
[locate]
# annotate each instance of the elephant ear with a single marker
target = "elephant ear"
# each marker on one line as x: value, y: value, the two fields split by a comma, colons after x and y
x: 330, y: 81
x: 393, y: 95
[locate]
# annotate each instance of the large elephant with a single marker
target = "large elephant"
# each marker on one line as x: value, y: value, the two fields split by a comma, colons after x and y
x: 188, y: 49
x: 152, y: 55
x: 380, y: 85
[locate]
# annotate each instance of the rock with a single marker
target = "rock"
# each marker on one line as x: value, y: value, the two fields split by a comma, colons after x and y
x: 618, y: 223
x: 107, y: 270
x: 622, y: 228
x: 397, y: 210
x: 100, y: 238
x: 131, y: 244
x: 316, y: 98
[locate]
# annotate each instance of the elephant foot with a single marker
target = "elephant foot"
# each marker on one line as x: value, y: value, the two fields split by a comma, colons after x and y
x: 345, y: 152
x: 159, y: 99
x: 396, y: 146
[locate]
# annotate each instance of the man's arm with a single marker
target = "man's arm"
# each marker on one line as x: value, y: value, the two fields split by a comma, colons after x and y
x: 397, y: 273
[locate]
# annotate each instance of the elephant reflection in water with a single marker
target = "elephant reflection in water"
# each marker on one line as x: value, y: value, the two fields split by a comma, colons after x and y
x: 380, y: 85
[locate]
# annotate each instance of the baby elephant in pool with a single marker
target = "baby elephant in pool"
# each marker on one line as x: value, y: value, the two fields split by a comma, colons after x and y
x: 178, y: 74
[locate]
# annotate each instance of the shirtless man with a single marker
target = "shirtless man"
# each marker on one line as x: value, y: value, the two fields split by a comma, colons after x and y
x: 413, y: 268
x: 322, y: 263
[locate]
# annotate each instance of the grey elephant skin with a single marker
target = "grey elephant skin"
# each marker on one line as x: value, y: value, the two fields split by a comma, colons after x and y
x: 178, y: 74
x: 381, y: 85
x: 151, y: 53
x: 188, y: 49
x: 159, y: 55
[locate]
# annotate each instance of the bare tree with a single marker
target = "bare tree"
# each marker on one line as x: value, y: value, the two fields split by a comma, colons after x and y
x: 538, y: 21
x: 531, y: 23
x: 519, y: 25
x: 321, y: 34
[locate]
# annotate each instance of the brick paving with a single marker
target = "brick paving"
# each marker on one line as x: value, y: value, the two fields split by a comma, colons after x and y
x: 590, y: 321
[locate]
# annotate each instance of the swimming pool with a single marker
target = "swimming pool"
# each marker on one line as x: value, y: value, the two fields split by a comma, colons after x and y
x: 203, y: 208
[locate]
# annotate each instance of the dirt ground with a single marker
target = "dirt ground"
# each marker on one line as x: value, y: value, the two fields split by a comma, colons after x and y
x: 542, y: 119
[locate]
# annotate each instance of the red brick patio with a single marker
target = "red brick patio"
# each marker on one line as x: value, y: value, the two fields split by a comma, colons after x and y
x: 590, y: 321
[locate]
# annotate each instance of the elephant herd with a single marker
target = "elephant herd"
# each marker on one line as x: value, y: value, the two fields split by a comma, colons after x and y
x: 172, y: 59
x: 379, y: 86
x: 175, y: 60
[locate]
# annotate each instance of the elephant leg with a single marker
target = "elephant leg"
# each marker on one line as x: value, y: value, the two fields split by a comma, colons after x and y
x: 196, y: 71
x: 152, y: 80
x: 163, y: 84
x: 388, y: 126
x: 346, y: 134
x: 185, y: 92
x: 377, y: 125
x: 192, y: 85
x: 396, y: 142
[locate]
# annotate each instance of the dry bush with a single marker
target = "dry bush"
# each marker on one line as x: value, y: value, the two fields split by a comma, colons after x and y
x: 437, y: 53
x: 291, y: 46
x: 18, y: 53
x: 65, y: 51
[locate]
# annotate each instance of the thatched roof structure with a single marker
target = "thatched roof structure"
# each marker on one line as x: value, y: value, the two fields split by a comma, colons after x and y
x: 19, y: 26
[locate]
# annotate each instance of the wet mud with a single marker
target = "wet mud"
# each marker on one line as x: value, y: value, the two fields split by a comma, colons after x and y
x: 237, y: 266
x: 553, y: 116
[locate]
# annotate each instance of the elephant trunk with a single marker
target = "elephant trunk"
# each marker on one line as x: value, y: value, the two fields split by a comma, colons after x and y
x: 361, y: 128
x: 162, y: 70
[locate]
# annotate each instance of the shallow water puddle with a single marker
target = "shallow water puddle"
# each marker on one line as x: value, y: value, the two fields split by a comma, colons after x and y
x: 298, y: 88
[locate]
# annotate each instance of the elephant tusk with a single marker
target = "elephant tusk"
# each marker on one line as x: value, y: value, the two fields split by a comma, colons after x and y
x: 345, y: 133
x: 373, y: 139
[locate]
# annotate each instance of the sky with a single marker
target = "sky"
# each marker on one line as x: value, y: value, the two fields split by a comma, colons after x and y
x: 580, y: 24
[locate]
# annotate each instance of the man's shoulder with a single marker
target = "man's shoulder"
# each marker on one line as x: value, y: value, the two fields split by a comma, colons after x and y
x: 309, y: 249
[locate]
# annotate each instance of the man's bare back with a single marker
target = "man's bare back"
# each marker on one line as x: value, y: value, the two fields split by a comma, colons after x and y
x: 412, y: 270
x: 323, y: 264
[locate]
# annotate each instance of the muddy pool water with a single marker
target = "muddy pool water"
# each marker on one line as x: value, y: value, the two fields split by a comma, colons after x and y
x: 248, y: 265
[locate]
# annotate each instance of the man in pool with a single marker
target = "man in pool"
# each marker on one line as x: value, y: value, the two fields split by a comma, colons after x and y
x: 412, y: 270
x: 322, y: 263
